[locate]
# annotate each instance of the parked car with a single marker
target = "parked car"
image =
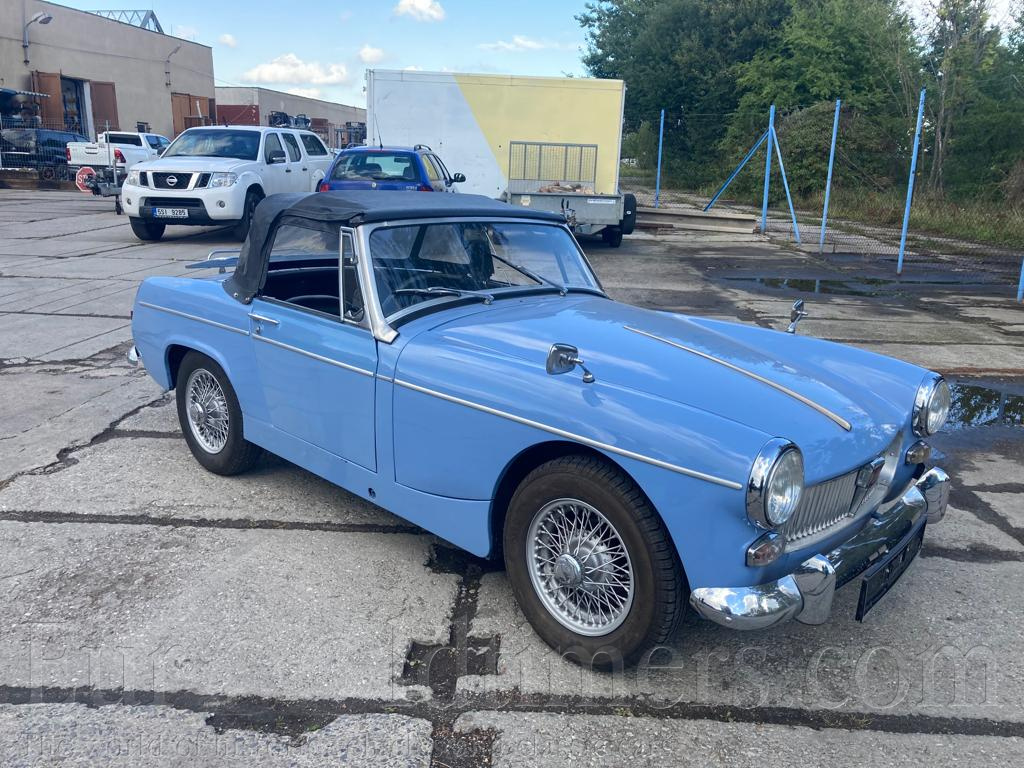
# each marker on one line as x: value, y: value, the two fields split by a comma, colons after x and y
x: 119, y: 149
x: 460, y: 365
x: 39, y: 148
x: 406, y: 168
x: 217, y: 175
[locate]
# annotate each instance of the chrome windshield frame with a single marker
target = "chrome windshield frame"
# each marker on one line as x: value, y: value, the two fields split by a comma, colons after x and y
x: 382, y: 329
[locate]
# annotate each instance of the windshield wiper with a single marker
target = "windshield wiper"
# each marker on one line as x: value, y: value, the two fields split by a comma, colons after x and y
x: 562, y: 290
x: 487, y: 298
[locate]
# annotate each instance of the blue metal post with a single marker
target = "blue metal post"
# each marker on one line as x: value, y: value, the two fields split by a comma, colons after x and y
x: 736, y: 172
x: 785, y: 185
x: 767, y: 170
x: 910, y: 184
x: 828, y: 180
x: 1020, y: 285
x: 657, y: 182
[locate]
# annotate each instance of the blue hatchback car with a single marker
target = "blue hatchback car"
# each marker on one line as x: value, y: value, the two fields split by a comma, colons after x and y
x: 390, y: 168
x: 456, y: 361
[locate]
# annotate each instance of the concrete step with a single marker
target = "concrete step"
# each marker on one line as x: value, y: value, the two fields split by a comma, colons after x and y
x: 696, y: 219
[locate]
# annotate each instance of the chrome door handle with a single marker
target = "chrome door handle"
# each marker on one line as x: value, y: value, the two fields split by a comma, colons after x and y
x: 260, y: 318
x: 287, y: 170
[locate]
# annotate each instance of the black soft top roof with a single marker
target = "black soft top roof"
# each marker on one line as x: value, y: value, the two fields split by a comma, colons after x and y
x: 350, y: 209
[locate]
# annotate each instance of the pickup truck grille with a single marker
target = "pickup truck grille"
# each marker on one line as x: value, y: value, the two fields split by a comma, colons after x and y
x: 821, y: 506
x: 162, y: 180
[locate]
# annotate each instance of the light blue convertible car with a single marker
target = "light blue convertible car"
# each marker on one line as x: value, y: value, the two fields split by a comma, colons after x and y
x: 456, y: 361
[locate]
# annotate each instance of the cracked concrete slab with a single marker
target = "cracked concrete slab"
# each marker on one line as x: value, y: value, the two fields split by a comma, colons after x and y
x: 162, y: 479
x: 943, y: 642
x: 114, y: 736
x: 592, y: 741
x: 269, y: 613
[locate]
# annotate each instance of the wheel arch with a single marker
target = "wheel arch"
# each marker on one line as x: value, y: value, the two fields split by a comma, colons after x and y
x: 175, y: 353
x: 528, y: 460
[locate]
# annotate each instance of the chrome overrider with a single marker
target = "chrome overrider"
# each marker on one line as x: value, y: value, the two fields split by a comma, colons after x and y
x: 806, y: 594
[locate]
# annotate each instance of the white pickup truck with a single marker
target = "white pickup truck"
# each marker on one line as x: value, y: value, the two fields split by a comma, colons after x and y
x: 115, y: 148
x: 217, y: 175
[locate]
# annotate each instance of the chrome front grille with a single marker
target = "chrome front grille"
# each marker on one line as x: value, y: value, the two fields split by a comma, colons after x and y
x: 821, y: 506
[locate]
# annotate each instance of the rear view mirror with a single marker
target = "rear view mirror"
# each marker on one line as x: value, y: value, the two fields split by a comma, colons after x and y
x: 458, y: 178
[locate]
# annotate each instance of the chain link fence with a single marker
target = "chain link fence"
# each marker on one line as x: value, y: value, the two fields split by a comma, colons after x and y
x: 867, y: 194
x: 37, y: 145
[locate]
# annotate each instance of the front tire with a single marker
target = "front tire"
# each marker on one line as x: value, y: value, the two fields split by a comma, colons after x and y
x: 146, y: 230
x: 591, y: 564
x: 241, y: 230
x: 211, y: 418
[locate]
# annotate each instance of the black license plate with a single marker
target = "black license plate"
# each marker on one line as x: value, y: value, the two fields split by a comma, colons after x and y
x: 881, y: 576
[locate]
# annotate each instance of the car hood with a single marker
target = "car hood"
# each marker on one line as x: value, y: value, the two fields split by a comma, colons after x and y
x: 705, y: 364
x: 192, y: 164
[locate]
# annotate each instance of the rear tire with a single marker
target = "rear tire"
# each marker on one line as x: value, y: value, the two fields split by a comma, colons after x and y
x: 146, y: 230
x: 612, y: 236
x: 241, y: 230
x: 557, y: 573
x: 210, y: 417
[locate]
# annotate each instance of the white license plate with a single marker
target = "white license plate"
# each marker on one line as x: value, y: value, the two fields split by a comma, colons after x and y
x: 170, y: 213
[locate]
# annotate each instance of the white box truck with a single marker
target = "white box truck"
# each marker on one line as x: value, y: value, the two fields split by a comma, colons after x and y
x: 550, y: 143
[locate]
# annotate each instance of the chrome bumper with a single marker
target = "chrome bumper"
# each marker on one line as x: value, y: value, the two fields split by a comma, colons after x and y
x: 133, y: 356
x: 806, y: 594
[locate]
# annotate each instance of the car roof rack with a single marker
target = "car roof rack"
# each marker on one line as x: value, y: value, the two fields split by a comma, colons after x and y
x: 422, y: 146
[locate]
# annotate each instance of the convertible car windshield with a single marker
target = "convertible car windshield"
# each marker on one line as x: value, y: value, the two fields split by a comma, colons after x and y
x: 426, y: 262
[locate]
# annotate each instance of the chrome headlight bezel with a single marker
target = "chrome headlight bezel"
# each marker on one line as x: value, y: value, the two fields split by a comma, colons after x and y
x: 931, y: 406
x: 133, y: 178
x: 220, y: 179
x: 777, y: 453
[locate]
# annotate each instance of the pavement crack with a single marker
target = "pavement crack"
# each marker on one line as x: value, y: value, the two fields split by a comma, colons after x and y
x: 975, y: 553
x: 238, y: 524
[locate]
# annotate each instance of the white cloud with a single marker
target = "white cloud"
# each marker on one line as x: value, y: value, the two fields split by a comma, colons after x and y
x: 228, y: 40
x: 520, y: 43
x: 309, y: 93
x: 370, y: 55
x: 421, y: 10
x: 413, y: 68
x: 289, y: 68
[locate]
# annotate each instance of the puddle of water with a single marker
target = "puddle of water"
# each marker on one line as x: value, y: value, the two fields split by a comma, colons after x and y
x: 861, y: 286
x: 977, y: 406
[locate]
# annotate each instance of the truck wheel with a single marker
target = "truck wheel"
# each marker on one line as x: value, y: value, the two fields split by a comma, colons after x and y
x: 211, y: 418
x: 241, y: 230
x: 146, y: 230
x: 612, y: 236
x: 591, y: 564
x: 628, y: 223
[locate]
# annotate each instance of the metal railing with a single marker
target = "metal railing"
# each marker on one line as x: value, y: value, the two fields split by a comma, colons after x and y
x: 533, y: 165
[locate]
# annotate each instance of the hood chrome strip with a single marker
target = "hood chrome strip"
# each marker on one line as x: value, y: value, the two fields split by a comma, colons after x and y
x: 571, y: 436
x: 784, y: 390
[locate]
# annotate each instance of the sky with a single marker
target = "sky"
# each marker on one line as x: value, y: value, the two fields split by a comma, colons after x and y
x: 322, y: 49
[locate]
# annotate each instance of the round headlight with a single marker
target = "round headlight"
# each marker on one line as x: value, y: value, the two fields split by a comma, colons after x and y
x: 931, y: 406
x: 776, y: 482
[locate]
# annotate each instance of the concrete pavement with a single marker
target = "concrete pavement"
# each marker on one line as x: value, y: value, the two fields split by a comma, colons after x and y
x: 156, y: 614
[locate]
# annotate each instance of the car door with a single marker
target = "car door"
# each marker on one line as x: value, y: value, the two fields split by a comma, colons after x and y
x: 317, y: 371
x: 297, y: 169
x: 274, y: 177
x: 449, y: 184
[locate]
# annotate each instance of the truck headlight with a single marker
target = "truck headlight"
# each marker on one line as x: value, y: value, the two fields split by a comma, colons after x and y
x: 776, y: 483
x: 133, y: 178
x: 931, y: 406
x: 222, y: 179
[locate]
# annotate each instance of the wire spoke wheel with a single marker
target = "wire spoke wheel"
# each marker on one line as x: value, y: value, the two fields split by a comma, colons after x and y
x: 579, y: 567
x: 207, y: 409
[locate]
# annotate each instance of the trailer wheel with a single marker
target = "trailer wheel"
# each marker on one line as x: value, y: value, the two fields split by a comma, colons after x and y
x: 612, y: 236
x: 628, y: 223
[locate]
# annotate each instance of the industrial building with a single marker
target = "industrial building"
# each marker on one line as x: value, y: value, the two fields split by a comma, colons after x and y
x: 338, y: 124
x: 82, y: 72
